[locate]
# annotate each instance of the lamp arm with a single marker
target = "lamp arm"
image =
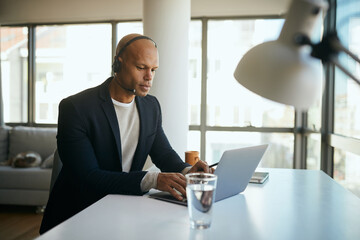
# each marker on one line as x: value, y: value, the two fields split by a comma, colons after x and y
x: 328, y: 50
x: 340, y: 47
x: 336, y: 62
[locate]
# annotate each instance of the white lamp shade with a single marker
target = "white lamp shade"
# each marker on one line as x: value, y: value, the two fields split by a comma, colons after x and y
x: 282, y: 70
x: 282, y: 73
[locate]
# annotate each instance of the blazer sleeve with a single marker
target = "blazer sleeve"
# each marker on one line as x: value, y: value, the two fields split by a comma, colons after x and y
x: 80, y: 161
x: 161, y: 153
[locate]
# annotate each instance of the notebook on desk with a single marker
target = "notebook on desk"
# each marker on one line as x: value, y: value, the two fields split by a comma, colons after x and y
x: 234, y: 171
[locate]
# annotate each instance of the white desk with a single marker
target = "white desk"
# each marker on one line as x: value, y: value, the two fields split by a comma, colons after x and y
x: 292, y: 204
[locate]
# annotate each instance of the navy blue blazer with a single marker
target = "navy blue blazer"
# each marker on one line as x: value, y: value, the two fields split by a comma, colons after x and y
x: 89, y: 146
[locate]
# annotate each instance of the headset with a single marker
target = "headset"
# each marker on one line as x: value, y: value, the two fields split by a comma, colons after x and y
x: 117, y: 64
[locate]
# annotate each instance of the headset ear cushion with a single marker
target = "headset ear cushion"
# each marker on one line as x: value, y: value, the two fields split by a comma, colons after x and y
x: 116, y: 65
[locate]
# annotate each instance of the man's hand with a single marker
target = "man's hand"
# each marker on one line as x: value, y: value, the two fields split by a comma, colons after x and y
x: 170, y: 182
x: 201, y: 166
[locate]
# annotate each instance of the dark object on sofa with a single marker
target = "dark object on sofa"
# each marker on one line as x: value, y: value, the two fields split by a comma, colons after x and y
x: 26, y: 159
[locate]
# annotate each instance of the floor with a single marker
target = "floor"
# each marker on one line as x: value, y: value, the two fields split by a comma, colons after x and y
x: 19, y: 222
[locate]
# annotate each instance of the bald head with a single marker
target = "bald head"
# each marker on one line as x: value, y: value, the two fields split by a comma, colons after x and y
x: 134, y: 67
x: 123, y: 46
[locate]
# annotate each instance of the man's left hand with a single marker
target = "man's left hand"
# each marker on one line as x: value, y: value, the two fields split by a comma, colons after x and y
x: 201, y: 166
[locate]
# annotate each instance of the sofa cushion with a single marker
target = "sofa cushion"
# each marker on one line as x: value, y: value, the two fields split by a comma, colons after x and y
x: 40, y: 140
x: 25, y: 178
x: 4, y: 143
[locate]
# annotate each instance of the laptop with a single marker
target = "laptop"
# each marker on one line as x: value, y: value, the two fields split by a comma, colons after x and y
x: 234, y: 172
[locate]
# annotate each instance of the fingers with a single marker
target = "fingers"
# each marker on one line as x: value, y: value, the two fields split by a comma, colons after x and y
x: 174, y: 183
x: 200, y: 166
x: 174, y: 191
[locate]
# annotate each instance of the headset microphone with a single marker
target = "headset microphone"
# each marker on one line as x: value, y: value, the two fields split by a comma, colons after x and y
x: 123, y: 87
x: 130, y: 90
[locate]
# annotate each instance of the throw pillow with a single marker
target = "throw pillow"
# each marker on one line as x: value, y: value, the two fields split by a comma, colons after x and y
x: 48, y: 162
x: 26, y: 159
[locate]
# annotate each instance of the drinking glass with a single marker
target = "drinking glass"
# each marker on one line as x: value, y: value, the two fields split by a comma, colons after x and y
x: 200, y: 191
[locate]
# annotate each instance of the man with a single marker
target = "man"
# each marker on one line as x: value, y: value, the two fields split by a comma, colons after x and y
x: 106, y: 133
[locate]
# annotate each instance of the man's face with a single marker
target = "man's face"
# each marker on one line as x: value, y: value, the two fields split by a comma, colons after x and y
x: 138, y: 65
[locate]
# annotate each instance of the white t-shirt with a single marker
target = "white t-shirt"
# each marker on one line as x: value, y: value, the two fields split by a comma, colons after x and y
x: 129, y: 126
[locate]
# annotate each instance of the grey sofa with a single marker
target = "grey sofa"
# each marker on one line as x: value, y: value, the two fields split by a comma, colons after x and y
x: 26, y: 186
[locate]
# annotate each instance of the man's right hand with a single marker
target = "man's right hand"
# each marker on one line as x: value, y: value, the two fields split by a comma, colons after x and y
x: 170, y: 182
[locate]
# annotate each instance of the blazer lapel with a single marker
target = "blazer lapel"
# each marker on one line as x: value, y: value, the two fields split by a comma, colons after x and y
x: 109, y: 111
x: 138, y: 159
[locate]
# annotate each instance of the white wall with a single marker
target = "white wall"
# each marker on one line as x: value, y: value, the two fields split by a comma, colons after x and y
x: 47, y: 11
x: 238, y: 7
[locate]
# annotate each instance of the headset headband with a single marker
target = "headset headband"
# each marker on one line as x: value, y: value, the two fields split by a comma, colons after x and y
x: 133, y: 40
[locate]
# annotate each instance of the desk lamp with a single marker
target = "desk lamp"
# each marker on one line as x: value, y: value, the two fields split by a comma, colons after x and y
x: 288, y: 70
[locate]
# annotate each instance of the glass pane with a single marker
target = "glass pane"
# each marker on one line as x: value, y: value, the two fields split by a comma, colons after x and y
x: 313, y: 151
x: 228, y: 103
x: 314, y: 112
x: 279, y: 154
x: 195, y: 51
x: 69, y: 59
x: 347, y: 170
x: 126, y: 28
x: 193, y: 141
x: 347, y: 92
x: 14, y: 69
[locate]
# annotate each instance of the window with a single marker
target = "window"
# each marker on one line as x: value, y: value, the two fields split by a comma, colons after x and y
x: 347, y: 99
x: 14, y: 73
x: 195, y: 74
x: 228, y: 103
x: 125, y: 28
x: 67, y: 59
x: 347, y: 91
x: 69, y: 55
x: 347, y: 170
x: 279, y: 154
x: 313, y: 150
x: 232, y: 116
